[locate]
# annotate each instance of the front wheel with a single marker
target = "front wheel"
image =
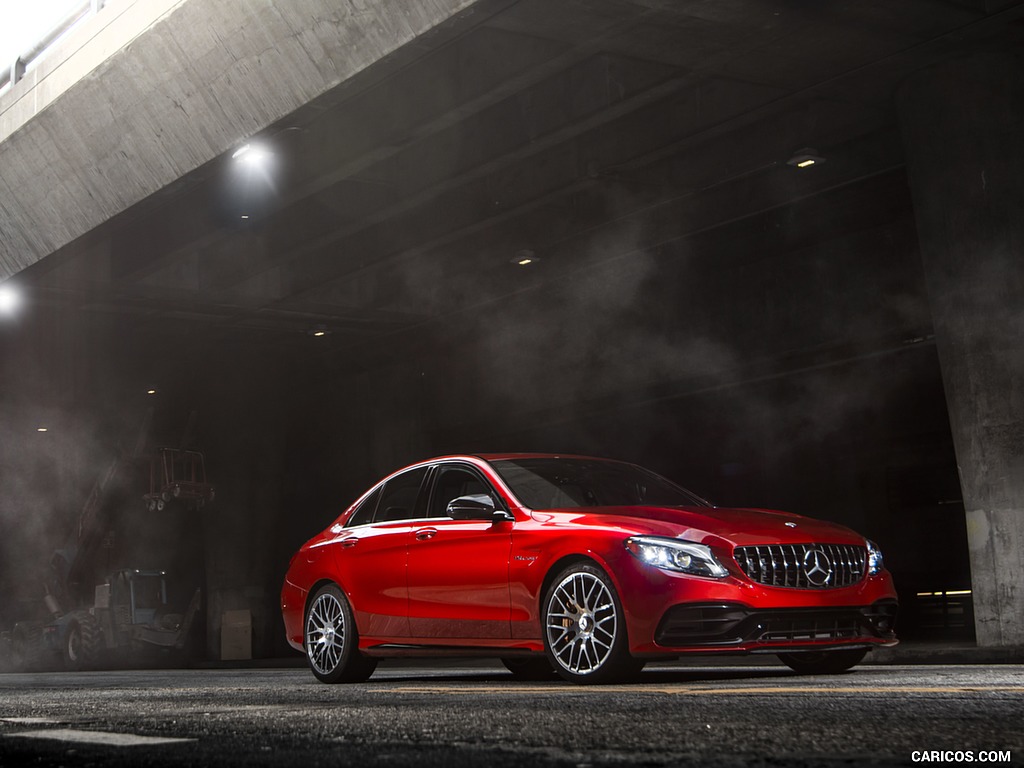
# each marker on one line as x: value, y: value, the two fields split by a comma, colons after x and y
x: 331, y: 640
x: 585, y: 629
x: 823, y: 662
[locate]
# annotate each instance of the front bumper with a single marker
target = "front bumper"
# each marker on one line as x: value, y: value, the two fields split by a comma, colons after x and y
x: 672, y: 614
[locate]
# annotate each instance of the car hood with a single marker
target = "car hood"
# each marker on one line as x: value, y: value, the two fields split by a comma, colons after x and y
x: 738, y: 527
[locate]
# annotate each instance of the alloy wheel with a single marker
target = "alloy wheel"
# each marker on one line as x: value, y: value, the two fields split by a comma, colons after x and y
x: 581, y: 623
x: 325, y: 633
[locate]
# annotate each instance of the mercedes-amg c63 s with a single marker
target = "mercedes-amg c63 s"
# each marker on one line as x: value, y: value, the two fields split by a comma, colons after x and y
x: 581, y: 566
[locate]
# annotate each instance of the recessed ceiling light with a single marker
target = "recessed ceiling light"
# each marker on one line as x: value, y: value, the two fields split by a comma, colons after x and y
x: 805, y: 158
x: 318, y: 332
x: 524, y: 257
x: 150, y: 391
x: 245, y: 215
x: 42, y: 429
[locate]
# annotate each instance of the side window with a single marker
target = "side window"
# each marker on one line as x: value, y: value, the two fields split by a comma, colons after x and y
x: 398, y: 500
x: 364, y: 513
x: 453, y: 482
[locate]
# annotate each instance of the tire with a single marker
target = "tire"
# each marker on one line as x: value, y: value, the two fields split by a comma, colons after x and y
x: 27, y: 652
x: 81, y: 642
x: 332, y: 641
x: 530, y: 667
x: 823, y: 662
x: 584, y: 627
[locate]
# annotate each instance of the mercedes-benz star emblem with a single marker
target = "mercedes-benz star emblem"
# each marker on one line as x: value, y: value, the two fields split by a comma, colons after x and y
x: 817, y: 567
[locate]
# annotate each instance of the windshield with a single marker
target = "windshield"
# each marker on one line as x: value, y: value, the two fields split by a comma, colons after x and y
x: 554, y: 483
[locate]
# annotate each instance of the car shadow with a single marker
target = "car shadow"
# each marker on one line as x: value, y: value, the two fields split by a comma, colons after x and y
x: 652, y: 676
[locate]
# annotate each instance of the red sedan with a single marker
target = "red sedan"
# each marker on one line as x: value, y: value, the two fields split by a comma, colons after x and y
x: 581, y: 566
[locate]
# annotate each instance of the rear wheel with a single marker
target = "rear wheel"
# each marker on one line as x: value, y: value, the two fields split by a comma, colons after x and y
x: 27, y: 650
x: 331, y: 640
x: 82, y: 641
x: 584, y: 627
x: 529, y: 668
x: 823, y: 662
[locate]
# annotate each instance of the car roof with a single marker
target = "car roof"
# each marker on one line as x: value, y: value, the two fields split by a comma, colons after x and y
x: 514, y: 456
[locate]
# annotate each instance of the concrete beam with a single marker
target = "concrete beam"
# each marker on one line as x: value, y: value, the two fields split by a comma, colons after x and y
x: 160, y: 88
x: 961, y: 124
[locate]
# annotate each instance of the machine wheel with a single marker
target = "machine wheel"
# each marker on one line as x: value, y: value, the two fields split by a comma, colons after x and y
x: 160, y: 505
x: 332, y: 641
x: 529, y: 668
x: 81, y: 642
x: 823, y: 662
x: 27, y: 650
x: 585, y: 629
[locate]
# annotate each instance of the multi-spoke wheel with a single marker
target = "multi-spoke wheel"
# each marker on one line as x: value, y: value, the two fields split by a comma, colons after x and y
x: 823, y: 662
x: 332, y: 643
x: 584, y: 629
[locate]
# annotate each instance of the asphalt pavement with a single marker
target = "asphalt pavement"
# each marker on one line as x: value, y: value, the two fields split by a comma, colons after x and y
x: 475, y: 714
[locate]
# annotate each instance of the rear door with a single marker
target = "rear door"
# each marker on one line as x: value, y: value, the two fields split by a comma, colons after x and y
x: 458, y: 569
x: 371, y: 550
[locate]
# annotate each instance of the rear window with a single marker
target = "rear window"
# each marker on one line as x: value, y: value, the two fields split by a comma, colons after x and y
x: 364, y: 512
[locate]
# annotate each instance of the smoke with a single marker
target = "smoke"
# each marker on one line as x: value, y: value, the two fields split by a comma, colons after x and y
x: 43, y: 489
x: 680, y: 355
x: 590, y: 338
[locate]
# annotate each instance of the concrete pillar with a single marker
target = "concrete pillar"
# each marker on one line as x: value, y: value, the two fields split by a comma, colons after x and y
x: 963, y: 128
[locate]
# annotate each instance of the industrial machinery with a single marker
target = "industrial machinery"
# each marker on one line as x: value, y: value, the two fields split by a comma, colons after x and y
x: 130, y: 615
x: 124, y: 615
x: 176, y: 473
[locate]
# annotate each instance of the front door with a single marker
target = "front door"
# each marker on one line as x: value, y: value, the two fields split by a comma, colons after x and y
x: 458, y: 569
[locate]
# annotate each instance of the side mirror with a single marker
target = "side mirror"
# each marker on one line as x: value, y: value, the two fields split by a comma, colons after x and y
x: 479, y: 506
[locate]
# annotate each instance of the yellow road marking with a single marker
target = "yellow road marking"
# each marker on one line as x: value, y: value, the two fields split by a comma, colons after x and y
x: 687, y: 691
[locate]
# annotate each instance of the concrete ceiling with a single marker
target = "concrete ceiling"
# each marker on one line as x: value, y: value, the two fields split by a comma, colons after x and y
x: 578, y: 132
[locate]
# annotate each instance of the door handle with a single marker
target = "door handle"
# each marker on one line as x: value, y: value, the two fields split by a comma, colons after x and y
x: 426, y: 533
x: 349, y: 542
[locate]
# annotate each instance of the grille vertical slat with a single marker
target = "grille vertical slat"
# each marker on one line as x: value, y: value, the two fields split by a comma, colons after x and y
x: 783, y: 565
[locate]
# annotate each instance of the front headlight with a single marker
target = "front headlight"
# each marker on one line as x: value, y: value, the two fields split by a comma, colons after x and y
x: 675, y: 555
x: 875, y: 563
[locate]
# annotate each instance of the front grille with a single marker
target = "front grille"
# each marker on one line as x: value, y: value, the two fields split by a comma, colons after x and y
x: 803, y: 566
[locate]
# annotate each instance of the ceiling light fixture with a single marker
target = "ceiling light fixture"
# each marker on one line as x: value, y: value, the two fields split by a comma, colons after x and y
x: 318, y: 332
x: 150, y: 391
x: 805, y: 158
x: 9, y: 299
x: 251, y: 154
x: 524, y: 257
x: 42, y: 429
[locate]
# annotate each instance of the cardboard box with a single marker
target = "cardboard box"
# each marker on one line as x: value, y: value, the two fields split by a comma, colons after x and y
x: 236, y: 635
